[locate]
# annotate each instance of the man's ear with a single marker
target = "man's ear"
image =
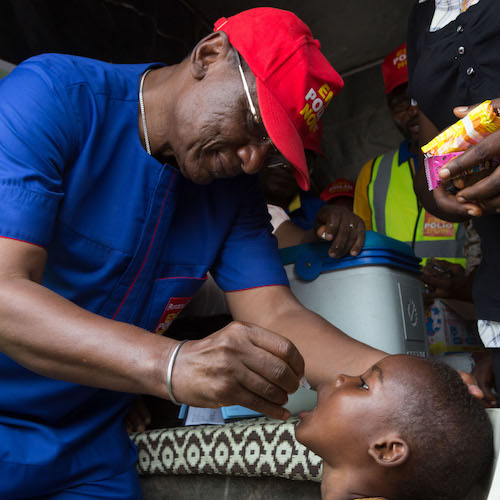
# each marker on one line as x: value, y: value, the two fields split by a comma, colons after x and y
x: 207, y: 51
x: 389, y: 451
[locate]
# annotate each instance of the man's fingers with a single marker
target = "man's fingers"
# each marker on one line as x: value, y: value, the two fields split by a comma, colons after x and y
x: 261, y: 405
x: 483, y: 373
x: 274, y: 370
x: 321, y: 232
x: 455, y: 269
x: 351, y: 240
x: 489, y: 397
x: 436, y: 282
x: 476, y: 391
x: 485, y: 189
x: 495, y: 103
x: 332, y: 226
x: 355, y: 233
x: 340, y: 244
x: 471, y: 179
x: 257, y: 384
x: 280, y: 347
x: 471, y: 383
x: 359, y: 238
x: 449, y: 203
x: 240, y: 364
x: 461, y: 111
x: 434, y: 294
x: 491, y: 206
x: 343, y: 229
x: 487, y: 149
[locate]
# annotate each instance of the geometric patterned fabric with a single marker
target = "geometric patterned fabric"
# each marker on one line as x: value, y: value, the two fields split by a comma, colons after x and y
x: 251, y: 447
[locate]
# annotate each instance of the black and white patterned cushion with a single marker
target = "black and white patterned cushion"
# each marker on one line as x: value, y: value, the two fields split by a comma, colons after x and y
x: 253, y: 447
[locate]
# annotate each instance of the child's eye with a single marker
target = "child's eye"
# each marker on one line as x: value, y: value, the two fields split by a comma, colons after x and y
x: 364, y: 385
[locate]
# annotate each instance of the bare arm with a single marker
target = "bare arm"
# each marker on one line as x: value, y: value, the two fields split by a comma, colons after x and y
x: 52, y: 336
x: 240, y: 364
x: 326, y: 350
x: 289, y: 234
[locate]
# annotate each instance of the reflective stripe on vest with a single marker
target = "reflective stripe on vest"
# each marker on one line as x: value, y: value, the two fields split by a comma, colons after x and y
x: 447, y: 249
x: 395, y: 211
x: 381, y: 178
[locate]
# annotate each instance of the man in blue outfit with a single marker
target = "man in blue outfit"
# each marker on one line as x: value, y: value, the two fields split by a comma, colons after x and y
x: 120, y: 188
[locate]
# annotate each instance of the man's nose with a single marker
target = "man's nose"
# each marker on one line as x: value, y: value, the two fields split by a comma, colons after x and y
x: 252, y: 157
x: 413, y: 110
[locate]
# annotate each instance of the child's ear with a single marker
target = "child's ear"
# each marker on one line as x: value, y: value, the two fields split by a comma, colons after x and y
x: 389, y: 451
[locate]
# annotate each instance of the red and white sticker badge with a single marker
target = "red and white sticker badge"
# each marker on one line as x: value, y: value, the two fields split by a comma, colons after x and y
x: 174, y: 307
x: 435, y: 227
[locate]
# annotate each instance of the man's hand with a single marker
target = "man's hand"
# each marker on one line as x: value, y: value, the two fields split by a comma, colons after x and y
x: 483, y: 372
x: 343, y: 228
x: 472, y: 384
x: 483, y: 196
x: 448, y: 203
x: 241, y: 364
x: 446, y: 280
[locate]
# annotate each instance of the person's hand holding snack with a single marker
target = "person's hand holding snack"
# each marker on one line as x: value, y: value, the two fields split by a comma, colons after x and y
x: 342, y: 227
x: 482, y: 189
x: 451, y: 209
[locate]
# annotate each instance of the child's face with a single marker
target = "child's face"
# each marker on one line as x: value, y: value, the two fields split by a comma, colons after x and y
x: 350, y: 411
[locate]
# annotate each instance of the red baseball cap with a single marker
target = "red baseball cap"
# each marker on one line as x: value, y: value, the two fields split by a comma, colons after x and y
x: 312, y: 141
x: 295, y: 82
x: 395, y: 69
x: 339, y: 187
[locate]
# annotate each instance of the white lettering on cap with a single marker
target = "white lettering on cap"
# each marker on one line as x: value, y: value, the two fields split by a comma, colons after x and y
x: 311, y: 95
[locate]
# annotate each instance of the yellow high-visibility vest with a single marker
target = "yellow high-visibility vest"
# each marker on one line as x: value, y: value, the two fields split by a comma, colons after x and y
x: 397, y: 213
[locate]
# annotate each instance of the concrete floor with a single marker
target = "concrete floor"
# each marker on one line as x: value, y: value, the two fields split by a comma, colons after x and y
x: 227, y: 488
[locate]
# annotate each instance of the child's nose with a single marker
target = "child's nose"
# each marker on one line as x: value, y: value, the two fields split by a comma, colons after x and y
x: 342, y: 379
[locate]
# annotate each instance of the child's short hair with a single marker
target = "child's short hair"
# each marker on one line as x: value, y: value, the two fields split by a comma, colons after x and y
x: 449, y: 434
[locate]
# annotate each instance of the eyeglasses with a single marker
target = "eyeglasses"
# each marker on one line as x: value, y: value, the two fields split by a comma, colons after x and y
x: 401, y: 104
x: 247, y: 91
x: 274, y: 158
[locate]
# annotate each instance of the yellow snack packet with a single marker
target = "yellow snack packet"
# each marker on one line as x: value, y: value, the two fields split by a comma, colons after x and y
x: 471, y: 129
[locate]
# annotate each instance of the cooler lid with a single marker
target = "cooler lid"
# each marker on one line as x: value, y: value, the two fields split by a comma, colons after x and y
x: 311, y: 259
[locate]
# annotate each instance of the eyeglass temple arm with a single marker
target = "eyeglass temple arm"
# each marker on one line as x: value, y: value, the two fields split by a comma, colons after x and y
x: 245, y: 86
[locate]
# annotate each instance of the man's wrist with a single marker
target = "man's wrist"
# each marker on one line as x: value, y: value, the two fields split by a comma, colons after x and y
x: 170, y: 370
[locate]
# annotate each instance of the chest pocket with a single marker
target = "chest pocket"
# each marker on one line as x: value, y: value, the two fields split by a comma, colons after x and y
x: 167, y: 299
